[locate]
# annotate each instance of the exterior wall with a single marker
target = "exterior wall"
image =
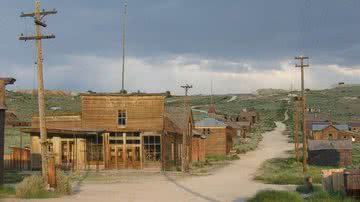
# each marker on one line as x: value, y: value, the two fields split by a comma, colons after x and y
x: 325, y: 134
x: 330, y: 157
x: 171, y: 153
x: 35, y: 155
x: 356, y: 129
x: 58, y: 122
x: 216, y: 143
x: 198, y: 149
x: 336, y: 135
x: 145, y: 113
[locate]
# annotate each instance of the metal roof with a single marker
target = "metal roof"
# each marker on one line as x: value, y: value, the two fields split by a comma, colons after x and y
x: 210, y: 122
x: 341, y: 127
x: 315, y: 145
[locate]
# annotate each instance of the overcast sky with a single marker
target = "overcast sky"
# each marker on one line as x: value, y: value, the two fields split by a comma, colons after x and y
x: 241, y: 45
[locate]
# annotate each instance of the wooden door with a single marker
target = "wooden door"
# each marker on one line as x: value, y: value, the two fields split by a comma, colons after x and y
x: 132, y: 157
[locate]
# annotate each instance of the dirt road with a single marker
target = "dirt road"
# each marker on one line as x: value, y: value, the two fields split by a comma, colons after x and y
x: 231, y: 183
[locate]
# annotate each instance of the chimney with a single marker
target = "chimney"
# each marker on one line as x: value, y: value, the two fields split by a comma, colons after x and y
x: 3, y: 83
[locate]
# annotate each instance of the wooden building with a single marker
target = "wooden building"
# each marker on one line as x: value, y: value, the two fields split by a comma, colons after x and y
x: 331, y: 131
x: 177, y: 121
x: 239, y: 130
x: 113, y: 131
x: 354, y: 126
x: 218, y: 135
x: 11, y: 120
x: 250, y: 116
x: 330, y: 152
x: 18, y: 159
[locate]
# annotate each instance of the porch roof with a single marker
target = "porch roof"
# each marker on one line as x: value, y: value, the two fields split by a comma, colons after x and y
x: 74, y: 131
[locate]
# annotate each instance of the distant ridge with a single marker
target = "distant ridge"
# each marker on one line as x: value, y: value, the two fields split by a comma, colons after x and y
x: 48, y: 92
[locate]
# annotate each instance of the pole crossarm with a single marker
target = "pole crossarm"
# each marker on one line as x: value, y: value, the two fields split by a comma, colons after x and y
x: 42, y: 13
x: 29, y: 38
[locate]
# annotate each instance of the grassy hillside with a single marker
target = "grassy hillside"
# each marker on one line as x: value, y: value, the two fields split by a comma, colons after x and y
x: 25, y: 105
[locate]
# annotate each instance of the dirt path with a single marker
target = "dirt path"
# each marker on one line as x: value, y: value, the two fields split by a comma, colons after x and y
x: 231, y: 183
x: 233, y: 98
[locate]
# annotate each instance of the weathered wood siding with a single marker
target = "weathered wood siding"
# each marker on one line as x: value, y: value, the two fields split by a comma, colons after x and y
x: 216, y: 142
x: 198, y: 149
x: 330, y: 157
x: 35, y: 156
x: 332, y: 133
x: 171, y: 153
x: 144, y: 113
x: 59, y: 122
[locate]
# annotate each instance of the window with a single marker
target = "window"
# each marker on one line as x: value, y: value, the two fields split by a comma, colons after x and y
x: 122, y: 118
x: 152, y: 148
x: 94, y: 148
x: 330, y: 137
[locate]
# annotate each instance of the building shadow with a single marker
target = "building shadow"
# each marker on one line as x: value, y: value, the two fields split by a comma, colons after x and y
x: 199, y: 195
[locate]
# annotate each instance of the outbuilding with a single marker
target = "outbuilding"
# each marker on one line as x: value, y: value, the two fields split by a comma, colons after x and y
x: 330, y: 152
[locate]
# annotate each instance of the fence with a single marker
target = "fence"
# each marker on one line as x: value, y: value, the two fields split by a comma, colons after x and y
x: 342, y: 180
x: 19, y: 159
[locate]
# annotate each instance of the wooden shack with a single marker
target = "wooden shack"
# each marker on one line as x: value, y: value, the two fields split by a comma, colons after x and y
x: 332, y: 131
x: 11, y: 120
x: 18, y: 159
x: 218, y: 135
x: 176, y: 122
x: 246, y: 115
x: 330, y: 152
x: 354, y: 126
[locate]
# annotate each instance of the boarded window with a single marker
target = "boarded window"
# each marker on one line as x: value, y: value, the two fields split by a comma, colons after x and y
x: 122, y: 118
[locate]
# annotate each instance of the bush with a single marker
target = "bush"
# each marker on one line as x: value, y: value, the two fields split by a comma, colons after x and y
x: 6, y: 191
x: 276, y: 196
x: 63, y: 183
x: 31, y: 187
x: 329, y: 197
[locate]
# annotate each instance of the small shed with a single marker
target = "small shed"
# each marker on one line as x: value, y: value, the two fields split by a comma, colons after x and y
x: 218, y: 135
x: 330, y: 152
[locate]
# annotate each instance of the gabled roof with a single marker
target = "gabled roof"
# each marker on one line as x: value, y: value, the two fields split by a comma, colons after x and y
x: 315, y: 145
x: 212, y: 110
x: 210, y: 122
x: 341, y: 127
x: 354, y: 124
x: 176, y: 118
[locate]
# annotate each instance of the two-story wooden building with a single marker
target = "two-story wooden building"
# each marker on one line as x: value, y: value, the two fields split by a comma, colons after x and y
x: 113, y: 131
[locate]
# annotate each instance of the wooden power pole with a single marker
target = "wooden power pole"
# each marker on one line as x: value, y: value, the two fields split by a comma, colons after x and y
x: 185, y: 148
x: 296, y: 128
x: 302, y: 65
x: 38, y: 16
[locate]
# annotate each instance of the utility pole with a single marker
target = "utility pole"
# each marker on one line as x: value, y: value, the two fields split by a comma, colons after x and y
x: 187, y: 87
x: 296, y: 128
x: 123, y: 45
x: 185, y: 148
x: 38, y: 16
x: 302, y: 65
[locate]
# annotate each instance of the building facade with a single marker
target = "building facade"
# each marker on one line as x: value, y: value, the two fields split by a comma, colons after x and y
x: 219, y: 140
x: 113, y: 131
